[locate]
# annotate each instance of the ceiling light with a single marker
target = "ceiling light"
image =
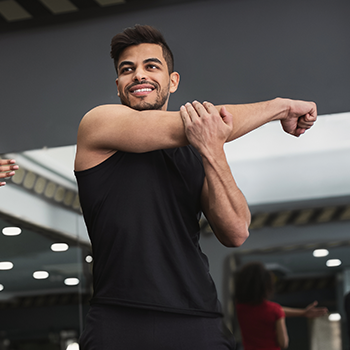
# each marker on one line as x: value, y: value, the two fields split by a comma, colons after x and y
x: 50, y: 190
x: 73, y: 346
x: 319, y: 253
x: 1, y: 287
x: 71, y: 281
x: 59, y: 247
x: 12, y: 11
x: 29, y: 180
x: 59, y: 6
x: 11, y: 231
x: 89, y: 259
x: 39, y: 186
x: 334, y: 317
x: 59, y: 195
x: 40, y: 275
x: 333, y: 262
x: 109, y: 2
x: 6, y: 265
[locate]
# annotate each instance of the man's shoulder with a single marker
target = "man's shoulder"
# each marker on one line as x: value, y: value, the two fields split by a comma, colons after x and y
x: 106, y: 109
x: 103, y: 114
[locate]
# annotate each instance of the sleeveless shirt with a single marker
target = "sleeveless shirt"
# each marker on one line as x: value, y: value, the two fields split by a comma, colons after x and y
x: 142, y: 213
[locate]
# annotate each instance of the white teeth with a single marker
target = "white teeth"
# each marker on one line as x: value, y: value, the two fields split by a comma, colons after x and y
x: 142, y: 90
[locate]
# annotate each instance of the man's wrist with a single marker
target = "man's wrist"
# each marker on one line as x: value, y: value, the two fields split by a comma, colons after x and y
x: 282, y: 107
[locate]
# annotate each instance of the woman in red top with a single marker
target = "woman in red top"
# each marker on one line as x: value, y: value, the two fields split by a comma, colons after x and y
x: 262, y: 322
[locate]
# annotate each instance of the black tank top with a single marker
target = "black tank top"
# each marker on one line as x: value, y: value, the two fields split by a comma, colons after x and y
x: 141, y: 211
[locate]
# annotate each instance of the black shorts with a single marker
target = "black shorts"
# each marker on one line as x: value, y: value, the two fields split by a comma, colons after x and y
x: 123, y: 328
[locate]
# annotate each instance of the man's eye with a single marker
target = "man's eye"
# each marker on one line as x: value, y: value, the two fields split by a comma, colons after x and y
x: 152, y: 66
x: 125, y: 69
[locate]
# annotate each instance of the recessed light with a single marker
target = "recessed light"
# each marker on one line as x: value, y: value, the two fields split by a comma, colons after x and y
x: 59, y: 247
x: 89, y: 259
x: 334, y: 317
x: 6, y: 265
x: 319, y: 253
x: 11, y: 231
x: 333, y: 262
x: 71, y: 281
x: 40, y: 275
x: 1, y: 287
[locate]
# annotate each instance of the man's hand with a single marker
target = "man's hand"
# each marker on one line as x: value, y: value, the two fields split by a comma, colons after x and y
x: 206, y: 128
x: 299, y: 117
x: 7, y: 168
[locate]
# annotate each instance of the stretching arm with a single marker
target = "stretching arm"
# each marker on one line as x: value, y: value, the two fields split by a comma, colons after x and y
x: 108, y: 128
x: 222, y: 202
x: 295, y: 116
x: 311, y: 311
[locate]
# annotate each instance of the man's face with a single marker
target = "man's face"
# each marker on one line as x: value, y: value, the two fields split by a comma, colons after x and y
x: 143, y: 78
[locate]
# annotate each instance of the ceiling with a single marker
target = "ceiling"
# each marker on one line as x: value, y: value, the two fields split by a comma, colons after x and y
x: 21, y: 14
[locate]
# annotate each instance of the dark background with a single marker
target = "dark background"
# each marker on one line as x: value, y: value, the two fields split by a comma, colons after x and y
x: 225, y: 51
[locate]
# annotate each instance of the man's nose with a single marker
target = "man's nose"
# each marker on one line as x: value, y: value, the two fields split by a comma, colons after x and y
x: 139, y: 75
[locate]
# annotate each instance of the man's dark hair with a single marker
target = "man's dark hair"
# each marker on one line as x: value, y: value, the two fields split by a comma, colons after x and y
x: 140, y: 34
x: 253, y: 284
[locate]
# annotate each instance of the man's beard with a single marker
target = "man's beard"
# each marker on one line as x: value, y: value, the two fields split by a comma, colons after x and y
x: 143, y: 105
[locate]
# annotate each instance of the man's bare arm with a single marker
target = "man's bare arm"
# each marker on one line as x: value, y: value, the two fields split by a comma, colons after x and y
x: 122, y: 128
x: 109, y: 128
x: 222, y: 202
x: 295, y: 116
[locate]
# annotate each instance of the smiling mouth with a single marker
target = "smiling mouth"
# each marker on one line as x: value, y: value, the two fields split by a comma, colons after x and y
x: 141, y: 89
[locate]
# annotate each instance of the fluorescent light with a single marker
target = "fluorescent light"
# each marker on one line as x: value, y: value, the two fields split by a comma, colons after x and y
x: 6, y: 265
x: 1, y: 287
x: 11, y: 231
x: 59, y: 247
x: 71, y: 281
x: 333, y: 262
x: 40, y: 275
x: 319, y: 253
x: 334, y: 317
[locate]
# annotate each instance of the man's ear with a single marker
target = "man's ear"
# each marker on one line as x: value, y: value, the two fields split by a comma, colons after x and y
x: 116, y: 81
x: 174, y: 81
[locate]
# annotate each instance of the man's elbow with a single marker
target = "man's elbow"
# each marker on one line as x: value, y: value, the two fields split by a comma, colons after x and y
x: 236, y: 238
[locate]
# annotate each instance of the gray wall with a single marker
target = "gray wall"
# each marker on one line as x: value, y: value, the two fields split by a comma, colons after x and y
x: 226, y: 52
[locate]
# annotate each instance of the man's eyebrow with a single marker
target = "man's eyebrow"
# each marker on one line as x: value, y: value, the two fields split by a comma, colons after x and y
x: 153, y: 60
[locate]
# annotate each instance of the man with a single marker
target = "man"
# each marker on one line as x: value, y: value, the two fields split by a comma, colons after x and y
x: 144, y: 176
x: 7, y: 169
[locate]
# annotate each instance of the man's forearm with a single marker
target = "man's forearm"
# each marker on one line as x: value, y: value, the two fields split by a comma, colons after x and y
x: 247, y: 117
x: 223, y: 203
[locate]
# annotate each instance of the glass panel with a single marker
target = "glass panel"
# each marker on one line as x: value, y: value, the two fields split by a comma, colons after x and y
x: 44, y: 288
